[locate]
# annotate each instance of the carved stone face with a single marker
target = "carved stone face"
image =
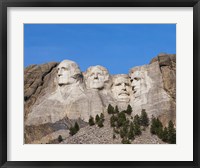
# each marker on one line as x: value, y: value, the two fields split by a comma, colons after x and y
x: 121, y: 88
x: 96, y: 77
x: 140, y: 82
x: 136, y: 83
x: 66, y: 71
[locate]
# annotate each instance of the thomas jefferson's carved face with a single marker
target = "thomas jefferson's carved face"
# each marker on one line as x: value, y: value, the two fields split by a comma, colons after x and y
x: 96, y: 77
x: 66, y: 71
x: 121, y: 88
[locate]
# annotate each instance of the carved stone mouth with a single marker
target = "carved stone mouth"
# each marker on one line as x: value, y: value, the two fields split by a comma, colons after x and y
x: 124, y: 93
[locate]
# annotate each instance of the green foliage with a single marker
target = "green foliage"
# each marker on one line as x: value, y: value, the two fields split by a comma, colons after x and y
x: 159, y: 132
x: 116, y: 110
x: 102, y: 117
x: 144, y: 120
x: 121, y: 119
x: 165, y: 135
x: 100, y: 123
x: 153, y: 126
x: 126, y: 141
x: 127, y: 129
x: 156, y: 127
x: 168, y: 134
x: 171, y: 133
x: 110, y: 109
x: 136, y: 120
x: 137, y: 129
x: 113, y: 119
x: 91, y: 121
x: 76, y: 126
x: 73, y: 130
x: 60, y: 139
x: 131, y: 133
x: 129, y: 110
x: 97, y: 119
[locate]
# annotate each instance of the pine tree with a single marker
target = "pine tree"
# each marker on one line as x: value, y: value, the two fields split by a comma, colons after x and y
x: 60, y: 139
x: 131, y: 132
x: 97, y: 118
x: 171, y: 133
x: 72, y: 131
x: 112, y: 121
x: 129, y: 110
x: 144, y: 120
x: 136, y: 119
x: 116, y: 110
x: 165, y: 135
x: 91, y: 121
x: 121, y: 119
x: 102, y: 117
x: 100, y: 123
x: 137, y: 129
x: 126, y: 141
x: 153, y: 126
x: 76, y: 126
x: 122, y: 133
x: 110, y: 109
x: 159, y: 132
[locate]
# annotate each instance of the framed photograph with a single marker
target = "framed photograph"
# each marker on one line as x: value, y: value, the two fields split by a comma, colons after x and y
x: 99, y: 83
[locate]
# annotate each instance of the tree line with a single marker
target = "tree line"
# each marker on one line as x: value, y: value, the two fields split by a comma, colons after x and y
x: 128, y: 127
x: 125, y: 125
x: 167, y: 134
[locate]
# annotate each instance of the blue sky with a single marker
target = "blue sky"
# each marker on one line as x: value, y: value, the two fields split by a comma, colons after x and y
x: 118, y: 47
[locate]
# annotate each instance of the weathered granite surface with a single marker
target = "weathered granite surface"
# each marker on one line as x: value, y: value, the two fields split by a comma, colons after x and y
x: 57, y: 95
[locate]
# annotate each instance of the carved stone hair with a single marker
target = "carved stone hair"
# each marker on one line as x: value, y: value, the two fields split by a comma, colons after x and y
x: 119, y: 75
x: 103, y: 69
x: 77, y: 74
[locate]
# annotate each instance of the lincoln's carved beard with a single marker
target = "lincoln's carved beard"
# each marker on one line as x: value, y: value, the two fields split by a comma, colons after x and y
x: 96, y: 78
x: 121, y: 89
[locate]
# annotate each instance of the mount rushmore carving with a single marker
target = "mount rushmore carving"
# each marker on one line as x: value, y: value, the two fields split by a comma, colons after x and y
x: 60, y: 92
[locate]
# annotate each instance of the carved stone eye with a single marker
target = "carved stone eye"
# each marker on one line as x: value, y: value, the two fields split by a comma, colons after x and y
x: 118, y: 84
x: 136, y: 78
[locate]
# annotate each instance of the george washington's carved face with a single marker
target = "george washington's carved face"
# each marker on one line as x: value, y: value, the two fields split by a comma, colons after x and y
x: 66, y: 72
x: 96, y: 76
x: 121, y: 87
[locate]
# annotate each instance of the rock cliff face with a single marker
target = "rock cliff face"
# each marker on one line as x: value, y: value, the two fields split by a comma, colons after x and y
x: 57, y: 95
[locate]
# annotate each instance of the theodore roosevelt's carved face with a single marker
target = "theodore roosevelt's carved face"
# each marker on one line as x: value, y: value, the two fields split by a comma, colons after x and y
x: 66, y: 72
x: 121, y: 87
x: 96, y: 76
